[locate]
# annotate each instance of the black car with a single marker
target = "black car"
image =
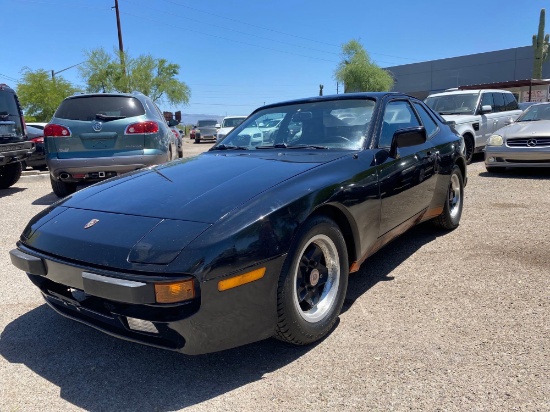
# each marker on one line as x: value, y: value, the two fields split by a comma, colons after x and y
x: 14, y: 145
x: 260, y: 241
x: 37, y: 160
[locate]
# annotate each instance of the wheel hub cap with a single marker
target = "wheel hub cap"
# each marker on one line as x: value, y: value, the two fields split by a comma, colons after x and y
x: 314, y: 277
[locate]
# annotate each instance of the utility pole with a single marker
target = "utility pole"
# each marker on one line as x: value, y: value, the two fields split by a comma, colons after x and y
x: 120, y: 45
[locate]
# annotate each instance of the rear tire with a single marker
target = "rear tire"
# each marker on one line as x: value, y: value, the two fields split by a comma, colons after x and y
x: 62, y: 189
x: 452, y: 210
x: 313, y: 283
x: 10, y: 174
x: 469, y: 149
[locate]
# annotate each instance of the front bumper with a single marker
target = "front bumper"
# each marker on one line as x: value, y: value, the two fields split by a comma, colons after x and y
x: 113, y: 302
x: 499, y: 156
x: 94, y: 165
x: 15, y: 152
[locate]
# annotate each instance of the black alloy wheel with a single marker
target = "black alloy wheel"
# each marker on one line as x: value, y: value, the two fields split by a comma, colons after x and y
x: 313, y: 283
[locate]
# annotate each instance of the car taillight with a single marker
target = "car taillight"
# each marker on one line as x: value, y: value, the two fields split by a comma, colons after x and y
x: 39, y: 139
x: 175, y: 133
x: 56, y: 130
x: 148, y: 127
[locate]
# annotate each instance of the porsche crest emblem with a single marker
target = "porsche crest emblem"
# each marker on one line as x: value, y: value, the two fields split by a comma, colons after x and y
x: 90, y: 223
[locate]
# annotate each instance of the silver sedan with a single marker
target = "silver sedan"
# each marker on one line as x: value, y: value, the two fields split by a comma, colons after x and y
x: 523, y: 143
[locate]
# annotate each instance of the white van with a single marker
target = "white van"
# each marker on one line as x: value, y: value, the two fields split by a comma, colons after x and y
x: 476, y: 114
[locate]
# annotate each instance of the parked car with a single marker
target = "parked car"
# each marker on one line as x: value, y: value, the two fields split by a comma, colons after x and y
x: 525, y: 105
x: 260, y: 241
x: 37, y: 125
x: 269, y: 128
x: 192, y: 132
x: 250, y: 135
x: 179, y: 139
x: 524, y: 143
x: 475, y: 114
x: 14, y: 145
x: 93, y: 137
x: 228, y: 124
x: 206, y: 130
x: 37, y: 160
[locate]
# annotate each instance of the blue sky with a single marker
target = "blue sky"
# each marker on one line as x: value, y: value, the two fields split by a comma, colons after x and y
x: 237, y: 55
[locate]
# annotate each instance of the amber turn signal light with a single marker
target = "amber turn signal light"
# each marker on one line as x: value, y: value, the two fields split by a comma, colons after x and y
x: 174, y: 291
x: 239, y: 280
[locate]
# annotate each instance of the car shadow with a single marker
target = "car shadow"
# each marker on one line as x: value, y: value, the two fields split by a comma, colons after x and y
x: 98, y: 372
x: 520, y: 173
x: 378, y: 267
x: 46, y: 200
x: 11, y: 191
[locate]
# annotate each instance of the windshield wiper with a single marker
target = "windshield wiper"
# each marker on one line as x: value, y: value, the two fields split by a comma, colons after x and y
x: 226, y: 147
x: 286, y: 146
x: 101, y: 116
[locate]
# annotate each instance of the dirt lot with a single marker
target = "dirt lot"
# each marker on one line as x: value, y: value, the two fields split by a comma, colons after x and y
x: 435, y: 321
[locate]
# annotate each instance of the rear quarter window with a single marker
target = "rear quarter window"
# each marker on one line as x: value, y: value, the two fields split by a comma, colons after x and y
x: 87, y: 107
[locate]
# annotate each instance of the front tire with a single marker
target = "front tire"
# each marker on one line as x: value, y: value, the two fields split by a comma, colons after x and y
x: 10, y: 174
x: 62, y: 189
x: 313, y: 283
x: 469, y: 149
x: 452, y: 210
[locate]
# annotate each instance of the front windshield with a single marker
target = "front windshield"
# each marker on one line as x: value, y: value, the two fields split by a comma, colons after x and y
x: 460, y: 103
x: 535, y: 112
x: 232, y: 121
x: 327, y: 124
x: 206, y: 123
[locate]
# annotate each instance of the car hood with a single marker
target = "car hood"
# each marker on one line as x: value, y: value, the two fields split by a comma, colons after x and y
x: 461, y: 118
x: 198, y: 189
x: 149, y: 216
x: 537, y: 128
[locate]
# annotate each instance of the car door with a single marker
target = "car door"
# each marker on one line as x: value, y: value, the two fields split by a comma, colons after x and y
x: 487, y: 120
x: 407, y: 181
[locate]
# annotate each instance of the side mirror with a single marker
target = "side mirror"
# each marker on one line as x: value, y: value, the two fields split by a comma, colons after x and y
x: 173, y: 122
x: 411, y: 136
x: 486, y: 108
x: 217, y: 126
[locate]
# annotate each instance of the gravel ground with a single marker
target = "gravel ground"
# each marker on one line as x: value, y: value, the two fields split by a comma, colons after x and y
x: 433, y: 322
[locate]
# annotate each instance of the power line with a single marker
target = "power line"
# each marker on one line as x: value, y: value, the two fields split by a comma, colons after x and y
x: 279, y: 32
x: 9, y: 78
x: 149, y: 19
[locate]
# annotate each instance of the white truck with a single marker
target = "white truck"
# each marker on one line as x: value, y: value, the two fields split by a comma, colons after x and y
x: 476, y: 114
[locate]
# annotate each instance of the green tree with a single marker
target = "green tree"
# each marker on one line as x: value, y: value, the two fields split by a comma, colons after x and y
x: 540, y: 44
x: 359, y: 73
x: 156, y: 78
x: 40, y: 95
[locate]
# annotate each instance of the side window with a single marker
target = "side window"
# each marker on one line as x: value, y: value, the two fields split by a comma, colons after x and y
x: 499, y: 102
x: 429, y: 124
x: 398, y: 114
x: 511, y: 102
x: 487, y: 99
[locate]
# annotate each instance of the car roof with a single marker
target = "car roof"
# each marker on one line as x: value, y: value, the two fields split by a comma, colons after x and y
x: 343, y: 96
x: 451, y: 92
x: 79, y: 94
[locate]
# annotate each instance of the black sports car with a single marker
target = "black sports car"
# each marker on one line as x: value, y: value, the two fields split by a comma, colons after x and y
x: 247, y: 240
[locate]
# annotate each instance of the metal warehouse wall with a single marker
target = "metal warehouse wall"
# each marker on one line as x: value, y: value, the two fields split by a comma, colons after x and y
x: 421, y: 79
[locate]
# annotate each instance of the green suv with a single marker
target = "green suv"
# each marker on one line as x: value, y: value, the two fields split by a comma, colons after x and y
x: 93, y: 137
x: 14, y: 146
